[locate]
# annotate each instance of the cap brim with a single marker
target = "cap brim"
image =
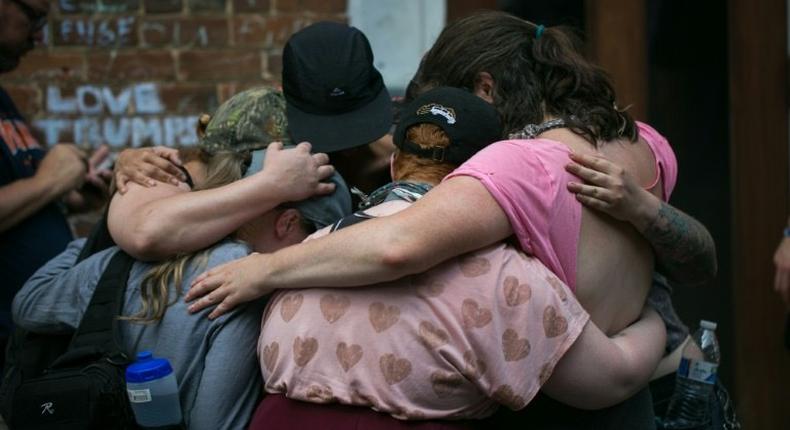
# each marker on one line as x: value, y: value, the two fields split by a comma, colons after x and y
x: 329, y: 133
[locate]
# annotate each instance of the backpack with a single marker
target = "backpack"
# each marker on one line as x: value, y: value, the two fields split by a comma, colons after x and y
x: 73, y: 382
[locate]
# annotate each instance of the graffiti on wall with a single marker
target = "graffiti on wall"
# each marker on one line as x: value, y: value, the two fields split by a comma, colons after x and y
x: 131, y: 116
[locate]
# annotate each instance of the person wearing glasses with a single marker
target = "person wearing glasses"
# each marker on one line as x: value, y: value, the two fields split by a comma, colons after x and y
x: 34, y: 182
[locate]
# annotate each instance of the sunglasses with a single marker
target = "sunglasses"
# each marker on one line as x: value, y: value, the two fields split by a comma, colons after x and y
x: 37, y: 18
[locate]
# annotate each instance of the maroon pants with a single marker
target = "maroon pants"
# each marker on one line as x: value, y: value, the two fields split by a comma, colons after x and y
x: 277, y: 412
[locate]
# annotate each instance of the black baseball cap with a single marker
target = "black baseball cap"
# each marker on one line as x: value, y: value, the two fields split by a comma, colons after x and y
x: 336, y: 99
x: 470, y: 123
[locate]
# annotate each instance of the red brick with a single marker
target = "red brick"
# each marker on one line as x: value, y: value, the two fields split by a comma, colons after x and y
x: 188, y: 98
x: 218, y: 64
x: 163, y: 6
x: 131, y: 65
x: 274, y: 65
x: 43, y: 65
x: 204, y: 32
x: 249, y: 30
x: 278, y: 29
x: 97, y: 6
x: 206, y: 5
x: 107, y: 32
x: 197, y: 32
x: 314, y: 6
x: 26, y: 97
x: 247, y: 6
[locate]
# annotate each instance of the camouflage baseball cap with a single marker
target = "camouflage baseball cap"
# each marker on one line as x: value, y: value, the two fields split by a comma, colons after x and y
x: 249, y: 120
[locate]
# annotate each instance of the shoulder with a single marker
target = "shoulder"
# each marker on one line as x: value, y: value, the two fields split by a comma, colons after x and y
x: 226, y: 251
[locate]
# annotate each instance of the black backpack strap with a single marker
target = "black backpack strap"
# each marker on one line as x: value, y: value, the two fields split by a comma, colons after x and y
x: 99, y: 238
x: 98, y: 332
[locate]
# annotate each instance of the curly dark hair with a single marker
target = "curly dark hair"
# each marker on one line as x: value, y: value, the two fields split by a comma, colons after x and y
x: 535, y: 77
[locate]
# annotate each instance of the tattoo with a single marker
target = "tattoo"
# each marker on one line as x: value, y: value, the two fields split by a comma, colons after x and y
x: 684, y: 248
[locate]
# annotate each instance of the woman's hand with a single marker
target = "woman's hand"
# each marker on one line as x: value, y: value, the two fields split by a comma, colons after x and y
x: 145, y: 166
x: 610, y: 189
x: 297, y: 172
x: 228, y: 285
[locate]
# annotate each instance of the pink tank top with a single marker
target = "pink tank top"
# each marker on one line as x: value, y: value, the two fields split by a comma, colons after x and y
x: 528, y: 180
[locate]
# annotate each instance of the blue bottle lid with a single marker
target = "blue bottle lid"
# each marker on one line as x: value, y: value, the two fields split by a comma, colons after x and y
x: 147, y: 368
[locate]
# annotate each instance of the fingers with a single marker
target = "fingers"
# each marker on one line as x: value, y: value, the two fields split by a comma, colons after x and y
x: 594, y: 162
x: 598, y: 193
x: 274, y: 147
x: 325, y: 188
x: 324, y: 172
x: 120, y: 182
x: 168, y: 153
x: 164, y: 170
x: 590, y: 175
x: 593, y: 203
x: 320, y: 158
x: 99, y: 155
x: 305, y: 146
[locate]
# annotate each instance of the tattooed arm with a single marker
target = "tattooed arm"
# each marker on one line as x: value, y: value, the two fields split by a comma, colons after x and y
x: 684, y: 248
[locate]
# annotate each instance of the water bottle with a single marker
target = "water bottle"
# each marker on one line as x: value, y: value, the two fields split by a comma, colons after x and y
x: 153, y: 391
x: 696, y: 379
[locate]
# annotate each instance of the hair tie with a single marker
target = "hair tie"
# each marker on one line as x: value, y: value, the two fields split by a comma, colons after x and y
x: 539, y: 31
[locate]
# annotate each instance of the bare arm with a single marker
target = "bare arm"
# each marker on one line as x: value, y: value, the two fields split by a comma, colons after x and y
x: 684, y: 248
x: 456, y: 217
x: 61, y: 171
x: 159, y: 222
x: 598, y: 371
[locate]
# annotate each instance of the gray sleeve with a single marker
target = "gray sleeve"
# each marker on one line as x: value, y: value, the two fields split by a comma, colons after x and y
x: 55, y: 297
x: 231, y: 385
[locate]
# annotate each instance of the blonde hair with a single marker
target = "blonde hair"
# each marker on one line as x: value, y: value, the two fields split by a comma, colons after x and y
x: 221, y: 168
x: 408, y: 166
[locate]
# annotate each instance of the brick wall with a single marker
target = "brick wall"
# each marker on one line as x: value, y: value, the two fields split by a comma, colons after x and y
x: 138, y: 72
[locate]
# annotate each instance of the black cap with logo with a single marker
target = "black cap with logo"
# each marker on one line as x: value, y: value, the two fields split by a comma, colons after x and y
x: 336, y: 99
x: 470, y: 123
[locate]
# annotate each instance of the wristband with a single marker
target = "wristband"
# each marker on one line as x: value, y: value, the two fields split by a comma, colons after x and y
x: 786, y: 232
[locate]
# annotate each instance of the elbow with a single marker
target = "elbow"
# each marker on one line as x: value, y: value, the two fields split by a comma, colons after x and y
x: 143, y: 243
x: 400, y: 257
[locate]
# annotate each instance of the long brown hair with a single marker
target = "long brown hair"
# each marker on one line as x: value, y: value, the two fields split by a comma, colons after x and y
x: 408, y: 166
x: 221, y: 168
x: 535, y: 77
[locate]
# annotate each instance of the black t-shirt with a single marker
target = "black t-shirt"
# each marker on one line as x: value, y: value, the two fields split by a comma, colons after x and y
x: 28, y: 245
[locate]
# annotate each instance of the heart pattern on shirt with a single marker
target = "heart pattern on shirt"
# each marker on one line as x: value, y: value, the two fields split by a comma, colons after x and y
x: 382, y: 316
x: 553, y: 324
x: 428, y: 287
x: 445, y: 384
x: 304, y: 350
x: 270, y: 353
x: 558, y: 286
x: 319, y: 394
x: 393, y: 368
x: 334, y: 307
x: 473, y: 315
x: 472, y: 267
x: 432, y: 336
x: 290, y: 306
x: 513, y: 347
x: 515, y: 292
x: 348, y: 355
x: 504, y: 395
x: 474, y: 368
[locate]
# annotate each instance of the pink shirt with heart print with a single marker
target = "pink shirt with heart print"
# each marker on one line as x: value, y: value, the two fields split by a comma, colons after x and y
x: 455, y: 342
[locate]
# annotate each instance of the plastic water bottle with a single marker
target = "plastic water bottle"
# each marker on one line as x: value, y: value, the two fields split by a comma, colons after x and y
x: 696, y: 380
x: 153, y: 391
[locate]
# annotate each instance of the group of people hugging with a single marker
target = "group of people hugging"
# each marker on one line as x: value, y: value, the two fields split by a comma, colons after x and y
x: 507, y: 271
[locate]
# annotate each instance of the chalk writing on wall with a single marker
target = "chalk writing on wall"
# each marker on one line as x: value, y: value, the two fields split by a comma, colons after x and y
x: 107, y: 32
x: 131, y: 116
